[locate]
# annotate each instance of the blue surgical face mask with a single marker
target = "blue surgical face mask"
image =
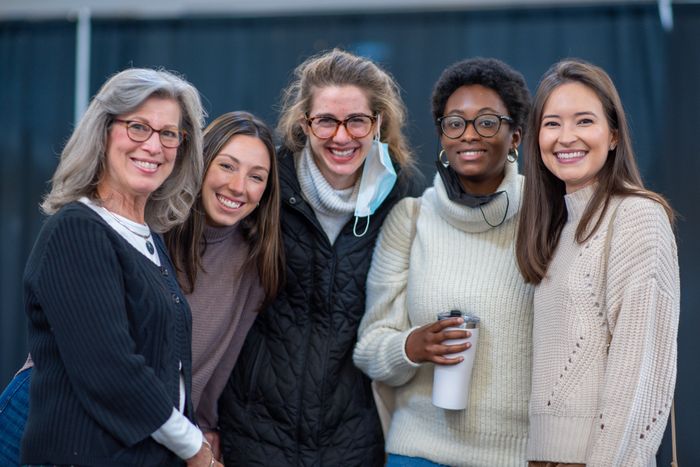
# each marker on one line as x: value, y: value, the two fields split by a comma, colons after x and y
x: 378, y: 178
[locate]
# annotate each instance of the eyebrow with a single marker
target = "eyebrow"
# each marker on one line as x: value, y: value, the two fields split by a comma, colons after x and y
x: 137, y: 118
x: 350, y: 115
x: 234, y: 159
x: 478, y: 112
x: 577, y: 114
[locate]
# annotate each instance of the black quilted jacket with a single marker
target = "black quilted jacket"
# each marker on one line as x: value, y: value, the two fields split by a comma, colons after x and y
x: 295, y: 397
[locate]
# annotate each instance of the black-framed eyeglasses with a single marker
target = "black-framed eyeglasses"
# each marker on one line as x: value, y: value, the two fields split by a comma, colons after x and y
x: 140, y: 132
x: 357, y: 126
x: 486, y: 125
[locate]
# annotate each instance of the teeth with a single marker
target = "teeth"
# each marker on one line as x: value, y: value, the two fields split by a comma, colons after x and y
x: 228, y: 203
x: 345, y: 153
x: 473, y: 152
x: 147, y: 165
x: 569, y: 155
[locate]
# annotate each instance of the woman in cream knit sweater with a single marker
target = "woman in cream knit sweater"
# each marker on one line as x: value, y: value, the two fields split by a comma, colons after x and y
x: 602, y: 251
x: 453, y: 249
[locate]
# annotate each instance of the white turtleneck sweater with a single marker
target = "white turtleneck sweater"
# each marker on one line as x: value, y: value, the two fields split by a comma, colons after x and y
x: 456, y: 261
x: 589, y: 406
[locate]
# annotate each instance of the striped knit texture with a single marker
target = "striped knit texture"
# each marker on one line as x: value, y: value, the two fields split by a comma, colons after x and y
x: 589, y: 406
x: 455, y: 262
x: 106, y: 334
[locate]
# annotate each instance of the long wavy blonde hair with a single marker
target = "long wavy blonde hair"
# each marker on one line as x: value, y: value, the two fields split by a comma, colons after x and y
x: 340, y: 68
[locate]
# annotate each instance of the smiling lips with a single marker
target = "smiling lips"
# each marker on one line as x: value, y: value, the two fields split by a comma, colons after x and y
x: 229, y: 203
x: 342, y: 153
x: 146, y: 166
x: 471, y: 154
x: 569, y: 156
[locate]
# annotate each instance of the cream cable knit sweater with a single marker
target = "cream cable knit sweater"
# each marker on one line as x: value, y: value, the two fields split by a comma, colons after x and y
x: 456, y: 261
x: 589, y: 406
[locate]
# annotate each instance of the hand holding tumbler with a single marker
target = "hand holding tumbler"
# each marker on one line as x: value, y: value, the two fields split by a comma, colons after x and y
x: 451, y: 382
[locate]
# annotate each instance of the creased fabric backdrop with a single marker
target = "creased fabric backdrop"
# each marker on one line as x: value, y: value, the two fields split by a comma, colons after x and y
x: 244, y: 63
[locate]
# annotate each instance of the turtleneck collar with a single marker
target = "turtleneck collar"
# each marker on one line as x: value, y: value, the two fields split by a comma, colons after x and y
x: 471, y: 219
x: 319, y: 193
x: 577, y: 202
x: 219, y: 234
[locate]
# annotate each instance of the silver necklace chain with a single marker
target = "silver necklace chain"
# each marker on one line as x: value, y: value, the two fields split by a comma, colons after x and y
x: 126, y: 226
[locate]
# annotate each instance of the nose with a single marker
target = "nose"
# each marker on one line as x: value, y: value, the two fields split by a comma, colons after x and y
x: 567, y: 134
x: 470, y: 133
x: 236, y: 183
x: 152, y: 144
x: 342, y: 135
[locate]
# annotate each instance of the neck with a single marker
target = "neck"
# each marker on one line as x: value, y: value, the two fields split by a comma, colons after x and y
x: 482, y: 187
x: 133, y: 208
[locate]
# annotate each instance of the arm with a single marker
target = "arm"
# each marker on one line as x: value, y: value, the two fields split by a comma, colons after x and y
x: 643, y: 294
x: 389, y: 348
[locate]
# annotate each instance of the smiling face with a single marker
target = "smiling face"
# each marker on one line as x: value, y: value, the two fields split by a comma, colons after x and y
x: 479, y: 162
x: 340, y: 157
x: 135, y: 170
x: 574, y: 135
x: 235, y: 181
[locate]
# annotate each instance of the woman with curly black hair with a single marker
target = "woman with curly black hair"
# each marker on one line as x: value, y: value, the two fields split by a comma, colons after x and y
x: 453, y: 249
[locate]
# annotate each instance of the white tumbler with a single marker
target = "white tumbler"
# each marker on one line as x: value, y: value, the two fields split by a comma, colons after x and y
x: 451, y: 382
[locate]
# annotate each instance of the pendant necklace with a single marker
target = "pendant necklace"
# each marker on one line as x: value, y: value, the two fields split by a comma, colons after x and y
x: 149, y: 244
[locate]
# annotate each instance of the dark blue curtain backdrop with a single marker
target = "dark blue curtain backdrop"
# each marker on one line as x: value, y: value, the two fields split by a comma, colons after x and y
x: 244, y: 63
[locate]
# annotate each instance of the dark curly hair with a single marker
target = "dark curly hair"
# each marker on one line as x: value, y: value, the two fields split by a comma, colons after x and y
x: 488, y: 72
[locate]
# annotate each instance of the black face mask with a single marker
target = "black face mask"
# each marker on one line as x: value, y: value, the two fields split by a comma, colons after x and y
x: 456, y: 193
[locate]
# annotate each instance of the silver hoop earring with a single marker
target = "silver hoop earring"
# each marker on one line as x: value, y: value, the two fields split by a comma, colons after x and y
x: 445, y: 161
x: 512, y: 155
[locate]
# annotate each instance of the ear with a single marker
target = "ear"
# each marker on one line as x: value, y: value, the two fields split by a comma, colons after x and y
x: 613, y: 139
x: 304, y: 126
x: 516, y: 138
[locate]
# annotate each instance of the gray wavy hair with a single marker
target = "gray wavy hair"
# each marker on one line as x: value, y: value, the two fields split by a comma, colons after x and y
x: 83, y: 159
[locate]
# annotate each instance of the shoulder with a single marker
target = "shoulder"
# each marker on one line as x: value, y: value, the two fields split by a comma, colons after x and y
x: 640, y: 216
x: 403, y: 213
x: 642, y: 242
x: 76, y: 218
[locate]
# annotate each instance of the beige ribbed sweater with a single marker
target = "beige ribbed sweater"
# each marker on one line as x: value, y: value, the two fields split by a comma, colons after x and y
x: 456, y: 262
x: 589, y: 406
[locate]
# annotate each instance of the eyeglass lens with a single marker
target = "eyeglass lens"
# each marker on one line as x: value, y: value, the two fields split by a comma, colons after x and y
x: 357, y: 126
x: 140, y: 132
x: 454, y: 126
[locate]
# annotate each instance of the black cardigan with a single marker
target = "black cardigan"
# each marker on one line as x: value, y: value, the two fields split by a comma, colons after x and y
x: 295, y: 397
x: 107, y: 330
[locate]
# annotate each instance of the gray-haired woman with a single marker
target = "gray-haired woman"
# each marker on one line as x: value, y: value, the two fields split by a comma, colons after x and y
x: 109, y: 329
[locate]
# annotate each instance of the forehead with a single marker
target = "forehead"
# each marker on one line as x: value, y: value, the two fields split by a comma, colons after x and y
x: 474, y: 97
x: 574, y: 97
x: 339, y: 101
x: 248, y: 150
x: 162, y: 110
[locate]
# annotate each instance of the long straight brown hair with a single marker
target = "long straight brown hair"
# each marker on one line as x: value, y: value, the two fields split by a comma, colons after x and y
x: 261, y: 228
x: 543, y: 213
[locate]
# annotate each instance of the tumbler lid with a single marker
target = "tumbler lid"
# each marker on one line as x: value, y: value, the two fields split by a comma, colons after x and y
x: 471, y: 321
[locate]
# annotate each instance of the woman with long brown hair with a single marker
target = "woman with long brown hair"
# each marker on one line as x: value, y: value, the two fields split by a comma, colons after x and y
x: 601, y: 250
x: 228, y: 253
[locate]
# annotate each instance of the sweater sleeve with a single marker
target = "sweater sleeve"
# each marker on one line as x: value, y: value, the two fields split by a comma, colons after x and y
x: 79, y: 287
x: 643, y: 293
x: 380, y: 350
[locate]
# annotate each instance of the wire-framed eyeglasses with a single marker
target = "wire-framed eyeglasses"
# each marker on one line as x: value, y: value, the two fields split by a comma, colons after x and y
x: 357, y: 126
x: 139, y: 132
x: 486, y: 125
